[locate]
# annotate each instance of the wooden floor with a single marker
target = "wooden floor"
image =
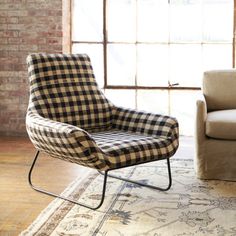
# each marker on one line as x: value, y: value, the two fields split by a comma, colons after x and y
x: 19, y: 204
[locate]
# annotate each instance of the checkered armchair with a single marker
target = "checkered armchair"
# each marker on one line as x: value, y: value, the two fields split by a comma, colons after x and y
x: 70, y: 118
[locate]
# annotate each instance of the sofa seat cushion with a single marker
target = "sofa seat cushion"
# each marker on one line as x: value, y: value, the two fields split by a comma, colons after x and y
x: 221, y: 124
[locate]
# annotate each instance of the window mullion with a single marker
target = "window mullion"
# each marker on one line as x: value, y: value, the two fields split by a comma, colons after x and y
x: 234, y: 33
x: 136, y: 56
x: 105, y: 33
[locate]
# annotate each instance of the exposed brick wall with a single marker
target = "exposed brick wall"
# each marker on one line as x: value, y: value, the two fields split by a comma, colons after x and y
x: 26, y: 26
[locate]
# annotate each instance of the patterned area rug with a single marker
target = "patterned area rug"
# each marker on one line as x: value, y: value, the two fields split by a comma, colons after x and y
x: 190, y: 207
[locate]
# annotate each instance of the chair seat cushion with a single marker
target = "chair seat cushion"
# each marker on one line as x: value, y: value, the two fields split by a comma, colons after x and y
x: 221, y: 124
x: 126, y: 148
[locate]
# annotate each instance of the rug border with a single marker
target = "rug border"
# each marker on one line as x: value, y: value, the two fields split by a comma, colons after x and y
x: 46, y: 213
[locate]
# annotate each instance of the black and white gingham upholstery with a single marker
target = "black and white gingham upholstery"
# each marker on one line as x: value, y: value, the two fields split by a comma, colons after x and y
x: 69, y: 118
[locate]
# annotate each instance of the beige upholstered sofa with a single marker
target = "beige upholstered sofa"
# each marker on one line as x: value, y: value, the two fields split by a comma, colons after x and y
x: 216, y: 127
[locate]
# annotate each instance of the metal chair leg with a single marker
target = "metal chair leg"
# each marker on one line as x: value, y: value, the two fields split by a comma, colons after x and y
x: 104, y: 185
x: 62, y: 197
x: 146, y: 185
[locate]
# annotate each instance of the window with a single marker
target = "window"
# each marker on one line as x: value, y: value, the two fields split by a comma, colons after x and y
x: 140, y: 49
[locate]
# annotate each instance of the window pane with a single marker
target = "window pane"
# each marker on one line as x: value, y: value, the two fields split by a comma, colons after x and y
x: 87, y: 20
x: 124, y: 98
x: 95, y: 52
x: 153, y: 20
x: 121, y: 64
x: 185, y: 21
x: 121, y: 20
x: 155, y: 101
x: 183, y: 107
x: 218, y: 20
x: 217, y: 56
x: 152, y: 65
x: 186, y: 64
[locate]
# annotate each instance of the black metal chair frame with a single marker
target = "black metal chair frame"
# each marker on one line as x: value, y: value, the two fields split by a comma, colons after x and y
x: 104, y: 184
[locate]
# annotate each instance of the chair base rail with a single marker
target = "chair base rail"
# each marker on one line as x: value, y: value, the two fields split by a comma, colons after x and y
x: 63, y: 197
x: 105, y: 174
x: 143, y: 184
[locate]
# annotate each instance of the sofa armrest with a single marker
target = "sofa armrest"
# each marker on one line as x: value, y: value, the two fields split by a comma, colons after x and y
x: 145, y: 123
x: 58, y: 139
x: 200, y: 121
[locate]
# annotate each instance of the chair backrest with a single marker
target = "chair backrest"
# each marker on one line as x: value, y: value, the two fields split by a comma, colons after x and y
x: 219, y: 89
x: 63, y: 88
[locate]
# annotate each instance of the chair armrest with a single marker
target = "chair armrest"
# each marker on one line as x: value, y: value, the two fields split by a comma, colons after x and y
x: 201, y: 116
x: 58, y: 139
x: 145, y: 123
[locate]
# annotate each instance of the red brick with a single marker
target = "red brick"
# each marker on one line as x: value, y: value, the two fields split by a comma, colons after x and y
x: 28, y: 47
x: 3, y: 13
x: 17, y: 54
x: 25, y: 27
x: 55, y: 13
x: 6, y: 60
x: 17, y: 13
x: 12, y: 20
x: 57, y: 41
x: 16, y: 26
x: 4, y: 54
x: 9, y: 33
x: 9, y: 6
x: 3, y: 41
x: 53, y: 33
x: 27, y: 34
x: 36, y: 12
x: 3, y: 20
x: 14, y: 40
x: 33, y: 41
x: 9, y: 47
x: 3, y: 26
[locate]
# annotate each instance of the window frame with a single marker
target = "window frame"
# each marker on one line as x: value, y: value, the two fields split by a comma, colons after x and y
x: 68, y: 42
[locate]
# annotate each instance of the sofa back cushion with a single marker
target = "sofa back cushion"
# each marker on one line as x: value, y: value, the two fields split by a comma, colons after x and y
x: 219, y: 89
x: 63, y: 88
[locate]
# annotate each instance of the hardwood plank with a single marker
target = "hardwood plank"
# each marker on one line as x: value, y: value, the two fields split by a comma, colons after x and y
x: 19, y: 203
